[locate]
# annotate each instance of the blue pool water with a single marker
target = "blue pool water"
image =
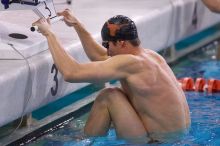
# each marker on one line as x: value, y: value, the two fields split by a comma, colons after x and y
x: 204, y: 109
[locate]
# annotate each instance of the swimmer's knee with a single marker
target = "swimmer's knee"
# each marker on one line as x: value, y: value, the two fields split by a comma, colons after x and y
x: 110, y: 91
x: 109, y: 94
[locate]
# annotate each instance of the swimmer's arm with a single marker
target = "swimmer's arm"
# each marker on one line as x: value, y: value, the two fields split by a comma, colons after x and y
x: 62, y: 59
x: 115, y: 68
x: 213, y: 5
x: 94, y: 50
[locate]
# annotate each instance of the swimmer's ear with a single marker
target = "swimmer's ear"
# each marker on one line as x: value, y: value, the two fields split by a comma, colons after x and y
x: 121, y: 43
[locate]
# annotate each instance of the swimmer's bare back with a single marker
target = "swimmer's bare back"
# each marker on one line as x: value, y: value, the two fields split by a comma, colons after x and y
x: 157, y: 97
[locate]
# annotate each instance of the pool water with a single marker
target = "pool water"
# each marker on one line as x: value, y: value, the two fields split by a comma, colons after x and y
x: 204, y: 110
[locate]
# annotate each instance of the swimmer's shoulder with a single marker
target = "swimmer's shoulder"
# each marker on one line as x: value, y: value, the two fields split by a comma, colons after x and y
x: 129, y: 61
x: 127, y: 57
x: 155, y: 56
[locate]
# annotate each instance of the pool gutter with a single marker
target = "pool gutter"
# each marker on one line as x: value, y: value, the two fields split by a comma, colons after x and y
x: 25, y: 135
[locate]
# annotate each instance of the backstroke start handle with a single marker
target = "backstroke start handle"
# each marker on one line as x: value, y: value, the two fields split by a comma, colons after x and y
x: 54, y: 20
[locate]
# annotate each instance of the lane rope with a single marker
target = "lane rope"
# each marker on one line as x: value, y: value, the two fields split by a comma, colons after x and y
x: 200, y: 84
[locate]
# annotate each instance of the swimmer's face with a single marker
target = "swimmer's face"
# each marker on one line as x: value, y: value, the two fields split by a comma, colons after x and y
x: 113, y: 48
x: 106, y: 45
x: 109, y: 46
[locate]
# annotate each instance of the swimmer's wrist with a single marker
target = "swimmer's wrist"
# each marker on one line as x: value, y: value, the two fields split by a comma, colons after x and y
x: 49, y: 33
x: 79, y: 27
x: 76, y: 24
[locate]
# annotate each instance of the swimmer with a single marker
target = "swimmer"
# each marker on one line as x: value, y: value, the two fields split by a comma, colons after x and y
x: 150, y: 103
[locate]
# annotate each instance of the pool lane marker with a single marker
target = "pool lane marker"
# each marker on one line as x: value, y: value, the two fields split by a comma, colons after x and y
x: 200, y: 84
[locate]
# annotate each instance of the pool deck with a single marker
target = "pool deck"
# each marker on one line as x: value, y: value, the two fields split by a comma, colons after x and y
x: 27, y: 84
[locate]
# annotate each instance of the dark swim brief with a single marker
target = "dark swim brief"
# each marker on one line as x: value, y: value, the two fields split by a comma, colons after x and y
x: 167, y: 137
x: 153, y: 141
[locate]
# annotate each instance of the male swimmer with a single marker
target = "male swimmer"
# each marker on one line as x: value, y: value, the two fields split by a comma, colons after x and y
x: 149, y: 104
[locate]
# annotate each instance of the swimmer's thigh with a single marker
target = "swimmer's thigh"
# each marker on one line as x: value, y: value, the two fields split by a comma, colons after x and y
x: 124, y: 117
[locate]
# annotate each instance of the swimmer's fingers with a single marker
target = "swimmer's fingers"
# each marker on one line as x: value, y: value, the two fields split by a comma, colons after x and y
x: 43, y: 26
x: 68, y: 17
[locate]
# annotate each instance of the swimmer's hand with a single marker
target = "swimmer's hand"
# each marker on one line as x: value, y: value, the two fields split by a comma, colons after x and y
x: 69, y: 18
x: 43, y: 25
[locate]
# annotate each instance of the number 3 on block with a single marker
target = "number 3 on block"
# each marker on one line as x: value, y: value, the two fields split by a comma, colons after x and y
x: 55, y: 71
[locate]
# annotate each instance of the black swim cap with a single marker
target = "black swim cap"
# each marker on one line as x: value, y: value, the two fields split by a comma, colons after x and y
x: 119, y: 28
